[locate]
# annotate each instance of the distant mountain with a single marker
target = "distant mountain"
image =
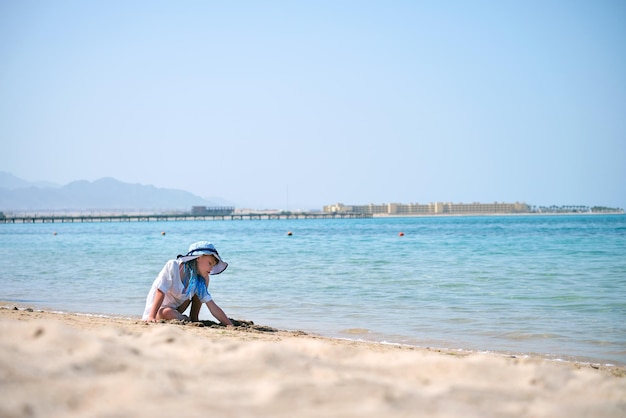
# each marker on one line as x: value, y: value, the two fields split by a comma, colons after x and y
x: 10, y: 182
x: 104, y: 194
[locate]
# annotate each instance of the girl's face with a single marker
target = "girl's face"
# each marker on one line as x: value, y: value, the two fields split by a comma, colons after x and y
x: 205, y: 264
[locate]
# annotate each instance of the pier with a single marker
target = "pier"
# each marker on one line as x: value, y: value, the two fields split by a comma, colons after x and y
x: 176, y: 217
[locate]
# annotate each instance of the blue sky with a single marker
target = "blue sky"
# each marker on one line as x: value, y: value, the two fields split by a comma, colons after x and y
x: 294, y: 105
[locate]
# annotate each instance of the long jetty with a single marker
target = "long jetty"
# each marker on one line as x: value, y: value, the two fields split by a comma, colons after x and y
x: 177, y: 217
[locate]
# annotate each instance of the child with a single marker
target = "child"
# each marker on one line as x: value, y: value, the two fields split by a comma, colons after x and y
x: 186, y: 280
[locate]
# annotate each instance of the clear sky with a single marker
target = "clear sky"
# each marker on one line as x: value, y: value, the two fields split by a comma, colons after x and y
x: 294, y: 104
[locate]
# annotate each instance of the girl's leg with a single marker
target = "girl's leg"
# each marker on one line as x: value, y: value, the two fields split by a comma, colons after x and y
x: 170, y: 313
x: 183, y: 307
x: 195, y: 308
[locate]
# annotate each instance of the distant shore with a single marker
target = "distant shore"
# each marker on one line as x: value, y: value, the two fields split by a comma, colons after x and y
x: 384, y: 215
x: 54, y: 217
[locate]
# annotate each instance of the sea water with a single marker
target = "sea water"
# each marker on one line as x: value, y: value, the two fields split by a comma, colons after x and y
x: 548, y: 285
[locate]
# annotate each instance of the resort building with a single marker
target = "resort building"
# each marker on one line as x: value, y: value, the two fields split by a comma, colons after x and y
x: 437, y: 208
x: 214, y: 211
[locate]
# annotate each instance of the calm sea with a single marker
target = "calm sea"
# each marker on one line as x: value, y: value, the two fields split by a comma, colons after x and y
x: 550, y: 285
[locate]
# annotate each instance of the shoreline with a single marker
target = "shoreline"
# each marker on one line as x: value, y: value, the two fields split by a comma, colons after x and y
x: 61, y: 364
x: 583, y: 361
x: 243, y: 325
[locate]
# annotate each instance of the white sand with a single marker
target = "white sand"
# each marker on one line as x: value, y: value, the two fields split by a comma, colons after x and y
x: 57, y: 365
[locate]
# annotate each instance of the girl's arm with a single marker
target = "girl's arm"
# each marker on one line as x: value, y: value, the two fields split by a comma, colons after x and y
x: 218, y: 313
x: 156, y: 305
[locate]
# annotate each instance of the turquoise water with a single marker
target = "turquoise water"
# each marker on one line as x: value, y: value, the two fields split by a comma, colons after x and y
x: 550, y: 285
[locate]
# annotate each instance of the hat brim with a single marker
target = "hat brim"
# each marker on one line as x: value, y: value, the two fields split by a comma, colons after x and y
x: 219, y: 267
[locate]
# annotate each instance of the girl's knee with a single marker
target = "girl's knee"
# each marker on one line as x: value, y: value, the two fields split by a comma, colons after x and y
x: 167, y: 313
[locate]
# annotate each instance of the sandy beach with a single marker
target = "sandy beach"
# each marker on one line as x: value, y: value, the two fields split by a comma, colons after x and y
x: 68, y: 365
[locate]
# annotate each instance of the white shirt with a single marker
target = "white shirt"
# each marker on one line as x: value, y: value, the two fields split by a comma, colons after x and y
x: 170, y: 283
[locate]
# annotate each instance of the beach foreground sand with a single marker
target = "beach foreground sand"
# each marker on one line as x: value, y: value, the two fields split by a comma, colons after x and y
x: 66, y: 365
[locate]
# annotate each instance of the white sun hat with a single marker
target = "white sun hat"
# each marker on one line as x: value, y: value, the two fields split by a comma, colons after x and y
x: 204, y: 248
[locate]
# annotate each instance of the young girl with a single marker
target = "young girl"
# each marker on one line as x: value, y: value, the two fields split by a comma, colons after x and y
x: 186, y: 280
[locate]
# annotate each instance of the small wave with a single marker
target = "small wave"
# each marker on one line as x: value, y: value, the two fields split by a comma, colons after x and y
x: 519, y: 336
x: 355, y: 331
